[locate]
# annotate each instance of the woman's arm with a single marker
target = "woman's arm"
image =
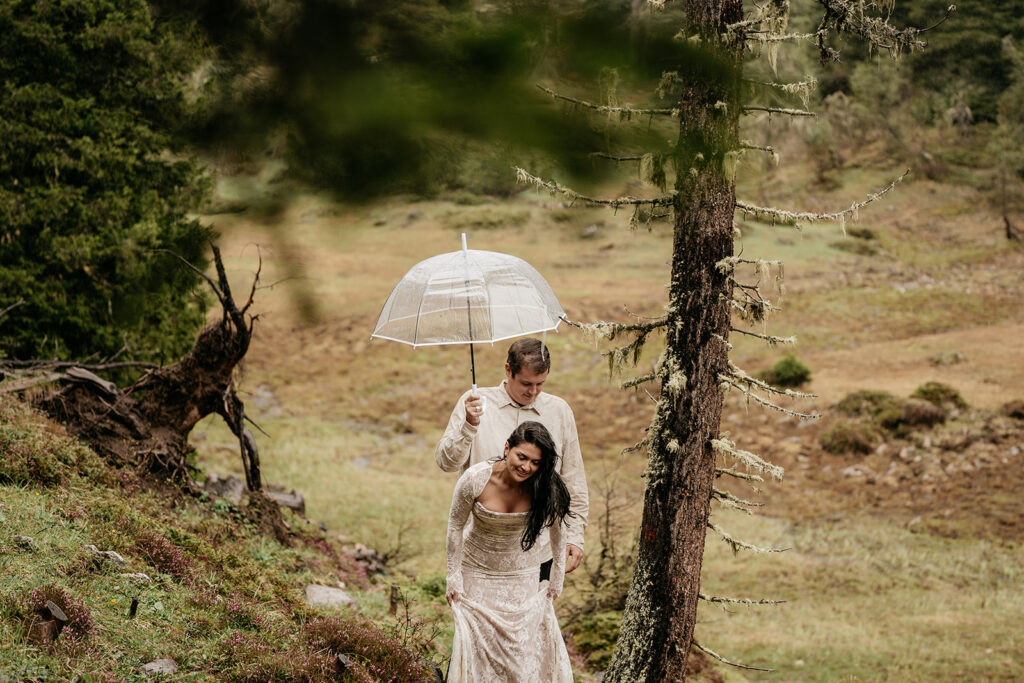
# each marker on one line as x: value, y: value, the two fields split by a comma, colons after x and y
x: 462, y: 505
x: 558, y: 538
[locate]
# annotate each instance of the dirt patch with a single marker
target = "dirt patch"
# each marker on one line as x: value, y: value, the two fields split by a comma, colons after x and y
x: 961, y: 479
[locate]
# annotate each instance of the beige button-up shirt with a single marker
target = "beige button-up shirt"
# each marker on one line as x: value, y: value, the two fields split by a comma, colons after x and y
x: 464, y: 445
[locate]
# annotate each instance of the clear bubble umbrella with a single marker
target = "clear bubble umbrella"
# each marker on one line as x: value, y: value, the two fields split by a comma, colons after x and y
x: 468, y: 297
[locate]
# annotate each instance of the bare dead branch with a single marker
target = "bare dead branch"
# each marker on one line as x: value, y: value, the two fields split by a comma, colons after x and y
x: 209, y: 280
x: 726, y: 661
x: 60, y: 365
x: 779, y: 110
x: 624, y: 111
x: 10, y: 308
x: 738, y: 601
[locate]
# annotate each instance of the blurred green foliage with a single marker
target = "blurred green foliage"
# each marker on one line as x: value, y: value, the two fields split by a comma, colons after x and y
x: 425, y: 95
x: 90, y: 184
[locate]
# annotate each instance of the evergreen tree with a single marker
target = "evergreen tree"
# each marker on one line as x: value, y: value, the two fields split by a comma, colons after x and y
x: 687, y: 453
x: 90, y: 183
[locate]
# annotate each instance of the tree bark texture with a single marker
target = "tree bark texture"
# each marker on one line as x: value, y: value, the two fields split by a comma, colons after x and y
x: 661, y: 608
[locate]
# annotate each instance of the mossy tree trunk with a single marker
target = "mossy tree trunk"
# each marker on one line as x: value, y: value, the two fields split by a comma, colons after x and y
x: 661, y: 608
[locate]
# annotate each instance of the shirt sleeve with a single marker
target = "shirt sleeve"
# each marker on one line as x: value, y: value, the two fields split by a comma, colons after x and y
x: 462, y: 505
x: 452, y: 453
x: 557, y: 559
x: 575, y: 480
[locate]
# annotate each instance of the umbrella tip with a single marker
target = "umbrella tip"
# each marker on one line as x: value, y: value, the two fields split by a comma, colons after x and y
x: 463, y: 241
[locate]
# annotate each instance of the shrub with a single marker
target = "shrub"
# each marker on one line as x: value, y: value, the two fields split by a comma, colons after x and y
x: 906, y: 416
x: 861, y: 233
x: 850, y: 437
x: 595, y: 636
x: 246, y: 658
x: 30, y: 456
x: 372, y: 654
x: 79, y: 625
x: 1014, y: 409
x: 162, y: 555
x: 866, y: 402
x: 939, y: 394
x: 855, y: 246
x: 788, y: 372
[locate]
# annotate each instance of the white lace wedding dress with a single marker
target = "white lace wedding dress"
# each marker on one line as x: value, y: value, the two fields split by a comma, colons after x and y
x: 505, y: 624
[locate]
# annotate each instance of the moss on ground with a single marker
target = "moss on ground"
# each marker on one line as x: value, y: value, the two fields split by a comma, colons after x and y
x: 222, y: 600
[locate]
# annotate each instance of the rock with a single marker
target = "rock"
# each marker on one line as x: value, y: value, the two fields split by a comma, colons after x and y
x: 159, y: 667
x: 292, y: 500
x: 230, y: 488
x: 325, y: 596
x: 371, y: 560
x: 105, y: 555
x: 590, y: 232
x: 137, y: 576
x: 436, y: 675
x: 25, y: 543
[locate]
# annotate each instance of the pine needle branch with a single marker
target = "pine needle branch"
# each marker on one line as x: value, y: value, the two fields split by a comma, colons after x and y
x: 848, y: 16
x: 612, y: 157
x: 751, y: 460
x: 745, y: 476
x: 726, y: 661
x: 523, y: 176
x: 622, y: 111
x: 771, y: 339
x: 738, y: 374
x: 762, y: 37
x: 637, y: 381
x: 725, y: 495
x: 738, y: 601
x: 808, y: 217
x: 778, y: 110
x: 766, y: 403
x: 730, y: 501
x: 738, y: 545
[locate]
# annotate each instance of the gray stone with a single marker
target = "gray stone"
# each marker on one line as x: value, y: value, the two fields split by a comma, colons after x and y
x: 109, y: 555
x: 137, y: 576
x: 325, y: 596
x: 230, y: 488
x: 160, y: 666
x: 292, y: 500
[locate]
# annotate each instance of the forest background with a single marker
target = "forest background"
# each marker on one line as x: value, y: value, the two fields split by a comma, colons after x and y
x: 905, y: 537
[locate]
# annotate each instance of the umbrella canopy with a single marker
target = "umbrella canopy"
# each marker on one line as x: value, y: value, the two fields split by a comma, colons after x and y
x: 467, y: 297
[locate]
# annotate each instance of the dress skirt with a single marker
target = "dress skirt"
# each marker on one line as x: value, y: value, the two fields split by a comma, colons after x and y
x: 506, y: 631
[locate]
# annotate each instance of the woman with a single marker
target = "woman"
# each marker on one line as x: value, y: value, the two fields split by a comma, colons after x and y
x: 505, y: 624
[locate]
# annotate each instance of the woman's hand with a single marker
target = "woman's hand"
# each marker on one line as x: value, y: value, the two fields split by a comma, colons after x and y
x: 452, y: 597
x: 552, y: 594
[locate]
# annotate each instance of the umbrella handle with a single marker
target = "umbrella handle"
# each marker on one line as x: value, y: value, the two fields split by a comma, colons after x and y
x: 483, y: 399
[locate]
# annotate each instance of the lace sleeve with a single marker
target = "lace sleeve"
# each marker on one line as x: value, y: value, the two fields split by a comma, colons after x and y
x: 452, y: 452
x: 462, y: 505
x: 558, y: 534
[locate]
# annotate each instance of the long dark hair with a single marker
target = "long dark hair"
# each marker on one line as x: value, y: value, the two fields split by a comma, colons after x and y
x: 549, y: 498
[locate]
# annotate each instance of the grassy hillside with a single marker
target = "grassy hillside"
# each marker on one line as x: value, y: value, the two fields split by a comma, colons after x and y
x: 881, y: 578
x: 904, y: 555
x: 199, y: 583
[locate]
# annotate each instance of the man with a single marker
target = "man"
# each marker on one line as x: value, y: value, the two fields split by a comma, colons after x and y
x: 480, y: 424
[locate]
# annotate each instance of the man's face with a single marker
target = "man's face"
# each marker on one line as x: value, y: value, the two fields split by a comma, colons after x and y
x: 525, y: 386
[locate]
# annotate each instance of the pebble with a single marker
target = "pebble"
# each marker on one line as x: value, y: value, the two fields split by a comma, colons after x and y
x: 160, y: 666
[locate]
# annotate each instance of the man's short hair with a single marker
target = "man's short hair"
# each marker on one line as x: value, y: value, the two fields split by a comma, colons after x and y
x: 530, y: 354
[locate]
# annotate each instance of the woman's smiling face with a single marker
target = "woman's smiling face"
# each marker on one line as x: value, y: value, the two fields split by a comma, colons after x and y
x: 523, y: 461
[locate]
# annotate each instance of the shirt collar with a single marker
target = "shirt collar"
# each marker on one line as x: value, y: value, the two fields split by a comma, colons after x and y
x: 506, y: 400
